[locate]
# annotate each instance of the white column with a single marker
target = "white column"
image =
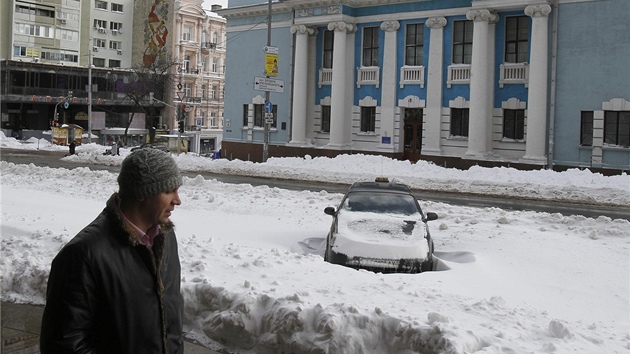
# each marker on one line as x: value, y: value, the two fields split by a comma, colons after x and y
x: 433, y: 114
x: 388, y: 91
x: 338, y: 91
x: 300, y: 84
x: 479, y: 136
x: 537, y: 93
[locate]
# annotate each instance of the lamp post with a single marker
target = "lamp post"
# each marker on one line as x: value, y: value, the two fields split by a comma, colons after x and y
x: 266, y: 136
x: 90, y: 94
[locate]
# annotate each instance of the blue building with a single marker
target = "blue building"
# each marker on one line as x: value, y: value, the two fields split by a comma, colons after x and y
x: 521, y: 83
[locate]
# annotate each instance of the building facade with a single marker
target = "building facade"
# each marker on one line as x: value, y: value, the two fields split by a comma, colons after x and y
x: 55, y: 51
x: 200, y: 52
x: 518, y: 83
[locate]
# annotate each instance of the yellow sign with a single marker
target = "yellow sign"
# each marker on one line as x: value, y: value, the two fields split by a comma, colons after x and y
x: 81, y: 116
x: 271, y: 64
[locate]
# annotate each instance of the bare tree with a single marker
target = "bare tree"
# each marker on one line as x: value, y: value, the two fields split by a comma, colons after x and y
x: 155, y: 77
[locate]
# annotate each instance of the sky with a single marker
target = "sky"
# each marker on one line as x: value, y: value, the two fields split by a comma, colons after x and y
x: 254, y: 280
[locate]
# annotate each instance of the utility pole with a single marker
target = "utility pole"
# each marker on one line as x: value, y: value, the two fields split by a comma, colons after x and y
x: 266, y: 137
x: 90, y: 92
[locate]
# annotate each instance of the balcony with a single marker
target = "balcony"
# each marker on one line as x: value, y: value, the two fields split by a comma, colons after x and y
x: 325, y: 77
x: 514, y: 73
x: 368, y: 75
x: 458, y: 74
x: 412, y: 75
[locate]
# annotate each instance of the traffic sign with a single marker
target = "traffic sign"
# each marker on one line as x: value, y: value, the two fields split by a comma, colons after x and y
x: 268, y: 115
x: 266, y: 84
x: 269, y: 120
x: 268, y: 107
x: 270, y: 50
x: 66, y: 105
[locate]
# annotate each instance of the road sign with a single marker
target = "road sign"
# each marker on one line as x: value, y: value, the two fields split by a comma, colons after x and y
x: 268, y: 115
x: 66, y: 105
x: 270, y: 50
x: 266, y: 84
x: 269, y: 120
x: 268, y: 107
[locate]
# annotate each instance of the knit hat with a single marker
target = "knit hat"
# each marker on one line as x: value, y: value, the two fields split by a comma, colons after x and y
x: 148, y: 172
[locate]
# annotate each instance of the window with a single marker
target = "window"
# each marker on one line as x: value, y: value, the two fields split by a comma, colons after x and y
x: 213, y: 92
x: 617, y: 128
x: 514, y: 124
x: 215, y: 37
x: 259, y: 115
x: 459, y: 122
x: 67, y: 35
x: 25, y: 9
x: 325, y: 119
x: 114, y: 63
x: 516, y: 39
x: 115, y: 26
x: 213, y: 119
x: 101, y: 43
x: 368, y: 119
x: 186, y: 33
x: 215, y: 64
x: 186, y: 67
x: 370, y: 46
x: 98, y: 62
x: 188, y: 90
x: 204, y: 63
x: 98, y: 24
x: 245, y: 115
x: 414, y: 45
x: 329, y: 44
x: 101, y: 5
x: 586, y: 128
x: 462, y: 42
x: 117, y: 8
x: 203, y: 92
x: 34, y: 30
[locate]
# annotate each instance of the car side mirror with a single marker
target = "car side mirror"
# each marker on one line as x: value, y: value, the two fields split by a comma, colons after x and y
x: 329, y: 211
x: 431, y: 216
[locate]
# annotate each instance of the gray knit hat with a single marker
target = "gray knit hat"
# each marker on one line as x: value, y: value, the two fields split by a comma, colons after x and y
x: 148, y: 172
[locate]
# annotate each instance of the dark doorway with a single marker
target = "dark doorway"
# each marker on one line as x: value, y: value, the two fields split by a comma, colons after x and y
x: 412, y: 134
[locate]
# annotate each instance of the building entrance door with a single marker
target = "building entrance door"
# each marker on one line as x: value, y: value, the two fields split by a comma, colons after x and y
x: 412, y: 134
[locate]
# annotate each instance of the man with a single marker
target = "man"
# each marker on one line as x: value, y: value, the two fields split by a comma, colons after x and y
x: 115, y: 287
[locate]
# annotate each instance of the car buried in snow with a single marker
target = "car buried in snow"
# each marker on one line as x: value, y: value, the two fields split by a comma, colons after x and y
x: 379, y: 226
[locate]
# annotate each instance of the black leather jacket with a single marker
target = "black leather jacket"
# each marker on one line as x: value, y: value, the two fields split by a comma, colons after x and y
x: 108, y: 293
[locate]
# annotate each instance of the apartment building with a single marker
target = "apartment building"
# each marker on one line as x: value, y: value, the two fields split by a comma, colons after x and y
x: 199, y: 50
x: 519, y: 83
x: 55, y: 50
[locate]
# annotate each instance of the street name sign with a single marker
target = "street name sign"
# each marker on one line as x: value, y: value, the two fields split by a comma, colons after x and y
x: 266, y: 84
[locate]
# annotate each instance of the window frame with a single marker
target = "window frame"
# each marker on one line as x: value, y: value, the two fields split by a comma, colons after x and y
x: 514, y: 124
x: 460, y: 121
x: 620, y: 130
x: 586, y: 128
x: 370, y: 46
x: 415, y: 44
x: 517, y: 47
x: 368, y: 120
x: 464, y: 42
x: 325, y: 125
x: 328, y: 46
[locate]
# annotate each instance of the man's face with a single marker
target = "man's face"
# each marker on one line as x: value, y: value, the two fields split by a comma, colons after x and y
x: 158, y: 208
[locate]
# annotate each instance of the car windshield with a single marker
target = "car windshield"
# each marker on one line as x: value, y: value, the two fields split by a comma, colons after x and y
x: 382, y: 203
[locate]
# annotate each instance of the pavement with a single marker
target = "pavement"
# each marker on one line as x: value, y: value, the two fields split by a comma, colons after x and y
x: 21, y: 325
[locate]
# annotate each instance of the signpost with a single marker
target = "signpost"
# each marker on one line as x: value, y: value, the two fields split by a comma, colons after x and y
x: 267, y: 84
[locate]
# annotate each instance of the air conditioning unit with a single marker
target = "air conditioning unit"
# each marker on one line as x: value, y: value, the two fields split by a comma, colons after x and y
x: 114, y: 32
x: 35, y: 60
x: 102, y: 30
x: 95, y: 49
x: 63, y: 20
x: 119, y: 51
x: 120, y: 30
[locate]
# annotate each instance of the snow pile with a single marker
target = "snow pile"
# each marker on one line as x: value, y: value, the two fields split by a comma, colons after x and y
x: 254, y: 279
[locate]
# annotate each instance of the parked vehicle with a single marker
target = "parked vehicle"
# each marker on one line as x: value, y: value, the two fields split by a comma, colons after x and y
x: 158, y: 146
x: 379, y: 226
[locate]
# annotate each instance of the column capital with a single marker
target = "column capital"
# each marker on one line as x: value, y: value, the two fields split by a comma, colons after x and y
x: 301, y: 29
x: 436, y: 22
x: 482, y: 15
x: 341, y: 26
x: 538, y: 10
x: 390, y: 26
